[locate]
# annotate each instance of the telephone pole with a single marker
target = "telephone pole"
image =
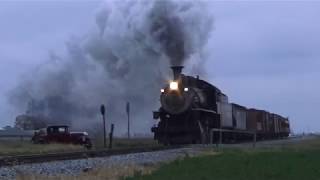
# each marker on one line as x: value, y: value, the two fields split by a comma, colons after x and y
x: 103, y: 111
x: 128, y: 114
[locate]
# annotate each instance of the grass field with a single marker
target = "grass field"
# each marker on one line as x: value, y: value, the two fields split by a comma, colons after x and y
x: 18, y: 147
x: 288, y: 161
x: 277, y: 160
x: 127, y: 143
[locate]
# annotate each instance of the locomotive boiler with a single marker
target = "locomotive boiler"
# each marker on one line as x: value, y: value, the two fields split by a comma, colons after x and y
x: 188, y: 110
x: 191, y: 108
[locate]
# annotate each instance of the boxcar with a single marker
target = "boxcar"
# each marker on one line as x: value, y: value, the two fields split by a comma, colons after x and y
x: 225, y: 111
x: 257, y: 121
x: 239, y: 115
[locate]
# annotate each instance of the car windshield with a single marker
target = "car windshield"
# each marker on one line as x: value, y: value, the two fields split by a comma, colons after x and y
x: 57, y: 129
x: 62, y: 130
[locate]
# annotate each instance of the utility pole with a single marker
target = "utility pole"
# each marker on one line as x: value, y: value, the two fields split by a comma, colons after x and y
x: 128, y: 114
x: 111, y: 136
x: 103, y: 111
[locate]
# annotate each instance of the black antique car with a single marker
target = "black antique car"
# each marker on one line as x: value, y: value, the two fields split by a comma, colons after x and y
x: 61, y: 134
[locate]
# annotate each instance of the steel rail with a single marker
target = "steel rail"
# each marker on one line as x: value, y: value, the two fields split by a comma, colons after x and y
x: 40, y: 158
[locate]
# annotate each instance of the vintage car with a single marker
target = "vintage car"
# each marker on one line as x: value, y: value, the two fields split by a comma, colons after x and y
x: 61, y: 134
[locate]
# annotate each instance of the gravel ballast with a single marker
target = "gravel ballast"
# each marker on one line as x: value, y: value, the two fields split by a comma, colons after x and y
x: 75, y: 167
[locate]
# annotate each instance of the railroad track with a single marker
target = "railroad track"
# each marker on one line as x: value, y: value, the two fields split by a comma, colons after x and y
x: 39, y: 158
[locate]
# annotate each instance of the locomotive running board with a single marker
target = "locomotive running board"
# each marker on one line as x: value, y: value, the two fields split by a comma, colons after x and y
x: 204, y: 110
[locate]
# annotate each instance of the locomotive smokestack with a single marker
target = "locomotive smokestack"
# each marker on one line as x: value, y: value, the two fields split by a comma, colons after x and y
x: 176, y: 72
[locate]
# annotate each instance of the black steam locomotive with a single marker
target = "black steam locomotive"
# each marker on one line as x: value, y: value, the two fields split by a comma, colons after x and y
x: 191, y: 108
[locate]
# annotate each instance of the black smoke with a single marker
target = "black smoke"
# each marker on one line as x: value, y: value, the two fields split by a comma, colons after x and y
x: 126, y: 57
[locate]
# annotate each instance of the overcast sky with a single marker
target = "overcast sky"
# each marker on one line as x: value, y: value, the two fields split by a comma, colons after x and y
x: 262, y: 54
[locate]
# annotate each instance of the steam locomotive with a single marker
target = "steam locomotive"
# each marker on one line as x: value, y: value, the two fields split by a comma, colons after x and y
x: 192, y: 108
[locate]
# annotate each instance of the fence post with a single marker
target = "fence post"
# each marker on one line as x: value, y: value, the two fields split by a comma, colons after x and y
x: 254, y: 139
x: 211, y: 136
x: 111, y: 136
x: 220, y: 137
x: 217, y: 143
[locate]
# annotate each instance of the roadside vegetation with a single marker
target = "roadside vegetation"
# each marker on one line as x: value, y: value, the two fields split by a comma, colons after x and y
x: 291, y: 161
x: 18, y: 147
x: 24, y: 147
x: 110, y: 173
x: 279, y: 160
x: 242, y: 166
x: 126, y: 143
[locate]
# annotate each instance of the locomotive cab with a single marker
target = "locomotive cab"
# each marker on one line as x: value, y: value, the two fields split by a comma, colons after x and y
x: 188, y: 110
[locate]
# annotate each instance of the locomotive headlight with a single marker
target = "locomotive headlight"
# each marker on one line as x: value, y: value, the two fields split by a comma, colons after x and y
x: 186, y: 89
x: 174, y: 85
x: 162, y: 90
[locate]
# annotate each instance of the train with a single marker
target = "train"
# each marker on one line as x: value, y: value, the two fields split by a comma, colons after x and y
x: 193, y: 111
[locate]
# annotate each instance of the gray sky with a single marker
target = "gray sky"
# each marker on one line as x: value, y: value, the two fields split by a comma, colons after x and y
x: 29, y: 31
x: 262, y: 54
x: 266, y: 55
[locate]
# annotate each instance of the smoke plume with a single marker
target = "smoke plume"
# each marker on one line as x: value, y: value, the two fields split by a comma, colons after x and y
x: 125, y: 58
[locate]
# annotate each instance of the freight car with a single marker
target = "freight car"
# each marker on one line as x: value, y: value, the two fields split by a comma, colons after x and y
x: 191, y: 108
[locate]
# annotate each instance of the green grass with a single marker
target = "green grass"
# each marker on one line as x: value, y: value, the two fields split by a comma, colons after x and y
x: 243, y: 166
x: 292, y: 161
x: 119, y: 143
x: 17, y: 147
x: 137, y: 142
